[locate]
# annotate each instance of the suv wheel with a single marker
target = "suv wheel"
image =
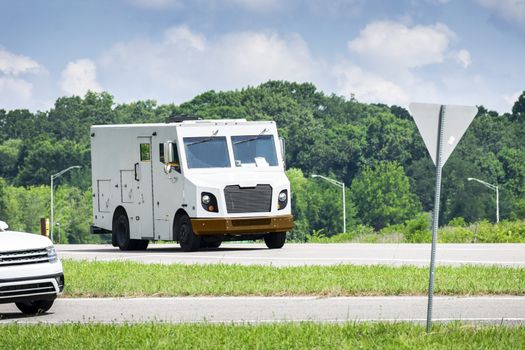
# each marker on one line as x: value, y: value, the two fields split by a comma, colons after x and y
x: 34, y: 307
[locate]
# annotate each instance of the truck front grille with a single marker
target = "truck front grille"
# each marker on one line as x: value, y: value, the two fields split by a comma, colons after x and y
x: 256, y: 199
x: 27, y: 289
x: 23, y: 257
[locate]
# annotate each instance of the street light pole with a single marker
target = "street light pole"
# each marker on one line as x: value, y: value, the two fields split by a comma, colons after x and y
x: 53, y: 177
x: 341, y: 185
x: 492, y: 187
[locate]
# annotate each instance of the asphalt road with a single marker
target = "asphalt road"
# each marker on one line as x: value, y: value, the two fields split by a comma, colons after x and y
x: 309, y: 254
x: 500, y: 309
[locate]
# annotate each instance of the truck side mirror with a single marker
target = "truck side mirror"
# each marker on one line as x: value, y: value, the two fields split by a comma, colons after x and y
x: 283, y: 150
x: 171, y: 157
x: 168, y: 152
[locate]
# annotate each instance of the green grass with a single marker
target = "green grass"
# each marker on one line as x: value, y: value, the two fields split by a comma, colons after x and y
x: 263, y: 336
x: 131, y: 279
x: 418, y: 230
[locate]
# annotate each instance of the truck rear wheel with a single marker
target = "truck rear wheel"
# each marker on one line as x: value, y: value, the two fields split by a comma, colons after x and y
x: 121, y: 231
x: 120, y: 234
x: 189, y: 242
x: 34, y: 307
x: 275, y: 240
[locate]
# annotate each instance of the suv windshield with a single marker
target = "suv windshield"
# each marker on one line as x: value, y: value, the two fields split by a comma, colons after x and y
x: 254, y: 150
x: 206, y: 152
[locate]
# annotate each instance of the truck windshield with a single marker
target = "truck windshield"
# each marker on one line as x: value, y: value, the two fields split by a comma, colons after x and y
x: 206, y: 152
x: 254, y: 150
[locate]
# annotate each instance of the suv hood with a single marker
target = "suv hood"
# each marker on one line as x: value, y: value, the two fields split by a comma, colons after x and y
x: 13, y: 241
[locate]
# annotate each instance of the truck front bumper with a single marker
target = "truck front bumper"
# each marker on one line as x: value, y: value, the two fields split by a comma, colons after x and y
x: 250, y: 225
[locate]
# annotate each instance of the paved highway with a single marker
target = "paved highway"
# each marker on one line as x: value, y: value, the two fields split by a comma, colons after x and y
x: 310, y: 254
x: 500, y: 309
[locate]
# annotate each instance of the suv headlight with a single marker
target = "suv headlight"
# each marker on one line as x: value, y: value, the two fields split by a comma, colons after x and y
x: 52, y: 254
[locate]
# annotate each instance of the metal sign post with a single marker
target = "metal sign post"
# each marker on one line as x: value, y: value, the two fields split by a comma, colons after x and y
x: 441, y: 128
x: 435, y: 216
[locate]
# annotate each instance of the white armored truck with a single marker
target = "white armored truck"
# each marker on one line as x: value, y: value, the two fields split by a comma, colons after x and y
x: 198, y: 182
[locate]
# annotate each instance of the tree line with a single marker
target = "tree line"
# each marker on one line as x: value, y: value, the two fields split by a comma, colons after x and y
x: 374, y: 149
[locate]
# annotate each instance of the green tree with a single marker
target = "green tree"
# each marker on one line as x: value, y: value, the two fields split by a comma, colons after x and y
x: 9, y: 157
x: 382, y: 195
x: 518, y: 109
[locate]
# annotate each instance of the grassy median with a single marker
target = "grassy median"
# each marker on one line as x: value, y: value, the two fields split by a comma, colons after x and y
x: 262, y: 336
x: 131, y: 279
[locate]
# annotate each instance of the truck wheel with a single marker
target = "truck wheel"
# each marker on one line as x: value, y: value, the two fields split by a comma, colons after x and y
x: 140, y: 244
x: 34, y: 307
x: 189, y: 242
x: 121, y: 232
x: 211, y: 244
x: 275, y: 240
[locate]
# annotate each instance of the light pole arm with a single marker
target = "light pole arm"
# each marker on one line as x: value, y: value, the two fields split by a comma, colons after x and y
x: 53, y: 177
x: 60, y: 173
x: 335, y: 182
x: 491, y: 186
x: 340, y: 185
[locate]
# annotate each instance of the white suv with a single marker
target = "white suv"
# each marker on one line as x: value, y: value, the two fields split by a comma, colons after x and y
x: 31, y: 274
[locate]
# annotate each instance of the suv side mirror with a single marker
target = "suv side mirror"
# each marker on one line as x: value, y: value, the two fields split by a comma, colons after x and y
x: 3, y: 226
x: 283, y: 150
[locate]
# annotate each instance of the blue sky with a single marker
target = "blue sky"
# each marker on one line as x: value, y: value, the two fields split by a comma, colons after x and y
x: 394, y: 52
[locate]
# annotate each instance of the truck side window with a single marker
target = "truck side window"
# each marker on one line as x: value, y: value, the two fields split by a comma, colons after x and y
x: 145, y: 152
x: 176, y: 154
x: 161, y: 153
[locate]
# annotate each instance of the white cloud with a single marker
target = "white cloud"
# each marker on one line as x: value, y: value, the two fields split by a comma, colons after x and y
x: 368, y: 87
x: 78, y: 77
x: 15, y: 93
x: 13, y: 64
x: 185, y: 63
x: 183, y: 36
x: 18, y: 73
x: 397, y: 45
x: 463, y: 57
x: 512, y: 11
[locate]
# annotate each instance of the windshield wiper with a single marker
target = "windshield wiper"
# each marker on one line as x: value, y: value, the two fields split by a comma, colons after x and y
x: 200, y: 141
x: 204, y: 140
x: 252, y: 139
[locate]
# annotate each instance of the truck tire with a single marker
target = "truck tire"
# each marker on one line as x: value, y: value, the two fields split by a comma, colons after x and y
x: 211, y: 244
x: 140, y: 244
x: 275, y: 240
x: 189, y: 242
x: 121, y: 231
x: 34, y: 307
x: 120, y: 235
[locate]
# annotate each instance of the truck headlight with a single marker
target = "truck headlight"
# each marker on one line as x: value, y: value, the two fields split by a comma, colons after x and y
x: 52, y: 254
x: 209, y: 202
x: 282, y: 199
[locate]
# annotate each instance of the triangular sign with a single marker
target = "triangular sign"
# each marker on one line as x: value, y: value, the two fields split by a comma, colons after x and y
x: 455, y: 122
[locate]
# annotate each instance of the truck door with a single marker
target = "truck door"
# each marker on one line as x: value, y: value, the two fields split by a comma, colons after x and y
x: 144, y: 176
